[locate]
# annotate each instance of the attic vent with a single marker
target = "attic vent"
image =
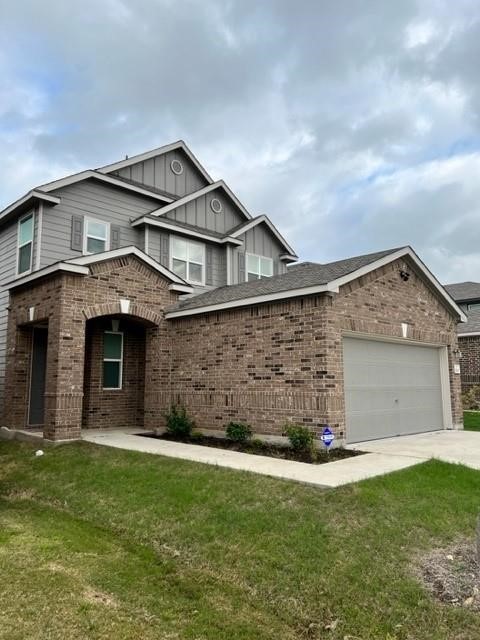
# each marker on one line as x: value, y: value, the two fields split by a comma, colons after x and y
x: 177, y: 167
x: 216, y: 205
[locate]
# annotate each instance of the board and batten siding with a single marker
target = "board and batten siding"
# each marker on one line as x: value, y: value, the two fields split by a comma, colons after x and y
x: 8, y: 267
x: 260, y: 241
x: 199, y: 213
x: 96, y: 201
x: 156, y: 172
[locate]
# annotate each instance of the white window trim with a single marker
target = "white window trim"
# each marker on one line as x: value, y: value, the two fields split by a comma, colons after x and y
x: 19, y: 246
x: 119, y: 388
x: 86, y: 220
x: 473, y: 305
x: 256, y: 255
x: 204, y: 265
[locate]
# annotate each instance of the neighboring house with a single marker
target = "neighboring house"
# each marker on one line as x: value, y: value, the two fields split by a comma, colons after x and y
x: 467, y: 296
x: 145, y: 283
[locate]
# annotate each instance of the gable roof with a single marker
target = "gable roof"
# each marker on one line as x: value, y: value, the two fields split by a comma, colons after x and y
x: 220, y: 184
x: 463, y: 291
x: 25, y: 203
x: 113, y: 180
x: 80, y: 265
x: 263, y: 219
x: 304, y: 279
x: 159, y: 151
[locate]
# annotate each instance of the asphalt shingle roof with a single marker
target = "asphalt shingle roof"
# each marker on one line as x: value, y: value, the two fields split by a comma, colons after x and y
x: 472, y: 325
x: 463, y: 291
x: 298, y: 276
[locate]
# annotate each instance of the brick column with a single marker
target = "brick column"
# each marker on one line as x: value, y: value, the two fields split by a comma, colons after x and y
x: 157, y: 375
x: 64, y: 375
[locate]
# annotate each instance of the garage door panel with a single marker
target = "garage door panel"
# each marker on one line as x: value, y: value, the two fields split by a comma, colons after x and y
x: 391, y: 389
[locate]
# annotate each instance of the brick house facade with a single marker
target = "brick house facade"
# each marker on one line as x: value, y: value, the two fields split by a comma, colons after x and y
x: 266, y: 364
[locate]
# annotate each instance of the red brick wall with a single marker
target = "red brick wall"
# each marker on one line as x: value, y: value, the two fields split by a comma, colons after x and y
x: 470, y: 361
x: 283, y: 361
x: 65, y: 302
x: 104, y: 408
x: 265, y: 365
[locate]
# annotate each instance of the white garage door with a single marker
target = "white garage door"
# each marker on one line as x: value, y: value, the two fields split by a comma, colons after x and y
x: 390, y: 389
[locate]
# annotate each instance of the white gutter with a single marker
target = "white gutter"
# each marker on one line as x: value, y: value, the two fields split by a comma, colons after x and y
x: 59, y: 266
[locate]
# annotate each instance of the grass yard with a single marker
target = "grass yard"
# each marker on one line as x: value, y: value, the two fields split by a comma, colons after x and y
x: 471, y: 420
x: 104, y: 543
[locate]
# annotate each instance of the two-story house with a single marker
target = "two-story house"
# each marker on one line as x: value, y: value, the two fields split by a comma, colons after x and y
x: 144, y: 283
x: 467, y: 296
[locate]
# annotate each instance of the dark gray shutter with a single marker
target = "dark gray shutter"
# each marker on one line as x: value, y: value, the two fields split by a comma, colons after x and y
x: 114, y: 236
x: 209, y: 265
x: 164, y: 249
x: 241, y: 267
x: 77, y: 233
x: 275, y: 268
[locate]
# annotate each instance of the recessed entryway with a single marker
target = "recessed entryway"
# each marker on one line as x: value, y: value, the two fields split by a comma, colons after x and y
x: 393, y: 388
x: 36, y: 405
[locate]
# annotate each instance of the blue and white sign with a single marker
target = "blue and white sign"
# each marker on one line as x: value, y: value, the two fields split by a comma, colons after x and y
x: 327, y: 436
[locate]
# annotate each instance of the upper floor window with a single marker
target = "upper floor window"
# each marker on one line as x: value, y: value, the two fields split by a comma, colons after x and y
x: 258, y: 267
x: 474, y: 306
x: 188, y: 260
x: 25, y: 244
x: 96, y: 236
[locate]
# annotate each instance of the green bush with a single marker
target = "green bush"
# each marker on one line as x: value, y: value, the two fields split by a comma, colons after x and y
x: 179, y: 424
x: 471, y: 398
x: 302, y: 440
x: 238, y: 432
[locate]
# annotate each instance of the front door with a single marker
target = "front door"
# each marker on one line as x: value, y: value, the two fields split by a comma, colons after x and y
x: 37, y: 378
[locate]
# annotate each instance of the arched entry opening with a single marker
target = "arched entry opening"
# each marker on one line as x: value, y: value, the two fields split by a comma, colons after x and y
x: 114, y: 372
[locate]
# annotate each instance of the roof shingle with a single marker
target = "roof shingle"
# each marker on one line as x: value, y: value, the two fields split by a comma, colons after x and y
x: 298, y: 276
x: 463, y: 291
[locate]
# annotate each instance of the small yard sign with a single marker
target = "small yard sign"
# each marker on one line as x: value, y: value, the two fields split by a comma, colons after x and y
x: 327, y: 436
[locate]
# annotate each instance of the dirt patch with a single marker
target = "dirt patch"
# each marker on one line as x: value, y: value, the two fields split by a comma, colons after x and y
x: 452, y: 575
x: 260, y: 448
x: 98, y: 597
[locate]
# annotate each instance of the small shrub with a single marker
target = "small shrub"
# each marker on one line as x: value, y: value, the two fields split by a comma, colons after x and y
x: 471, y: 398
x: 302, y: 440
x: 179, y: 424
x: 238, y: 432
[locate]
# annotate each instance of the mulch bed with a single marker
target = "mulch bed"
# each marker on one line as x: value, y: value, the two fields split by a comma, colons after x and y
x: 452, y: 575
x: 259, y: 447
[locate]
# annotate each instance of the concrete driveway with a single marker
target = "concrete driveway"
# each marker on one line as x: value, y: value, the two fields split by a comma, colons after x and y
x: 462, y: 447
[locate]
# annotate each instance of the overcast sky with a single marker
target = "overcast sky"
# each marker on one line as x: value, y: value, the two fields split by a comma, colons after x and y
x: 355, y: 125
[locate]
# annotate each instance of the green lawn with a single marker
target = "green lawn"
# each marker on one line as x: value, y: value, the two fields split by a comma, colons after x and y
x: 471, y: 420
x: 103, y: 543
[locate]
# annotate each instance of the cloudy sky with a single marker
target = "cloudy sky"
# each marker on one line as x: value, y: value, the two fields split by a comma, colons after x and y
x: 355, y: 125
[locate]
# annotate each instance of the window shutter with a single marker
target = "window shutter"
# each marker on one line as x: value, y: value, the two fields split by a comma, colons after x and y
x: 114, y: 237
x: 209, y: 265
x: 77, y: 233
x: 241, y: 267
x: 164, y: 249
x: 275, y: 268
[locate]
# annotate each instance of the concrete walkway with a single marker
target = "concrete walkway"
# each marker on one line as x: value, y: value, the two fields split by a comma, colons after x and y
x: 333, y: 474
x: 458, y: 447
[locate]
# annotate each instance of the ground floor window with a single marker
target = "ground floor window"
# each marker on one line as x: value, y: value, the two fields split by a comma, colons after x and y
x: 112, y: 359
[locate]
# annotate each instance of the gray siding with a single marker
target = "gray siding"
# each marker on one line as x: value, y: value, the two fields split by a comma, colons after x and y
x: 98, y: 201
x: 199, y: 213
x: 156, y: 172
x: 219, y: 259
x: 261, y: 242
x: 8, y: 262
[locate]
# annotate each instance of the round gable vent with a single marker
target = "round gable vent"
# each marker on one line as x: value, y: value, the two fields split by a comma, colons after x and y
x: 177, y: 167
x: 216, y: 205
